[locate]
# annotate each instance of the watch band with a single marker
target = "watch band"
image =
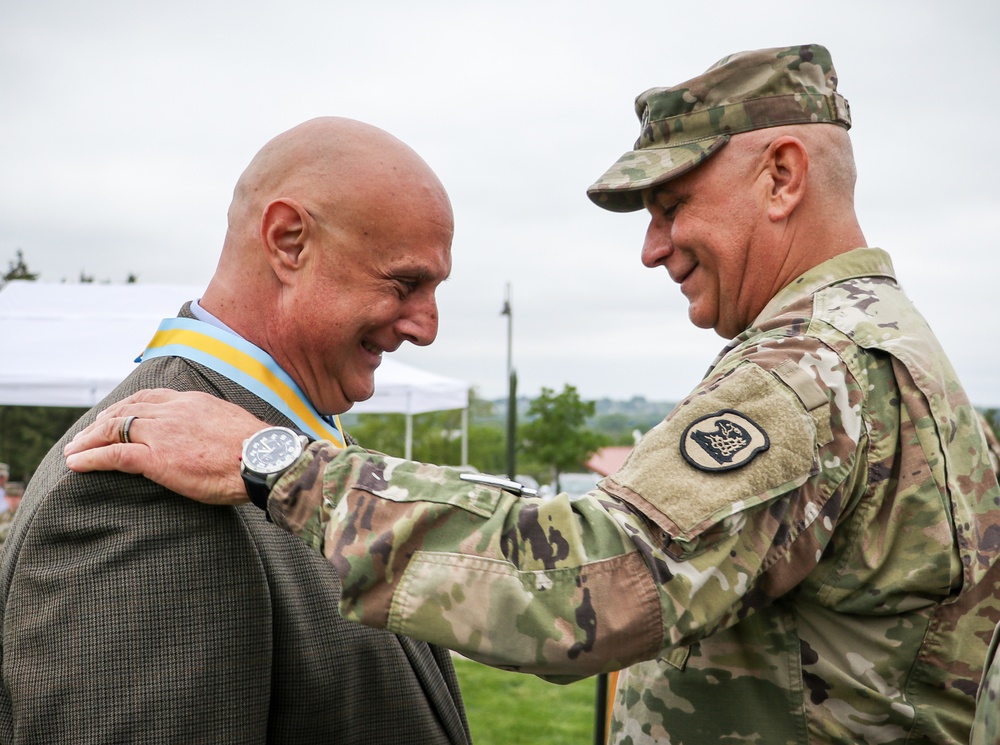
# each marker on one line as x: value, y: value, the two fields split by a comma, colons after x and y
x: 257, y: 488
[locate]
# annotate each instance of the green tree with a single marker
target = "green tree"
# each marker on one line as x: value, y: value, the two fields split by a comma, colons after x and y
x: 992, y: 417
x: 556, y: 437
x: 28, y: 432
x: 17, y: 269
x: 437, y: 435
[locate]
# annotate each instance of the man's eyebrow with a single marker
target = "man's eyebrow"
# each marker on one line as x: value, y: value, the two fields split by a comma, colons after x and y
x: 412, y: 272
x: 419, y: 273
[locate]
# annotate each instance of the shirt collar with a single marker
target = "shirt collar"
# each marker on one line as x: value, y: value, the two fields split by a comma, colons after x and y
x: 205, y: 317
x: 861, y: 262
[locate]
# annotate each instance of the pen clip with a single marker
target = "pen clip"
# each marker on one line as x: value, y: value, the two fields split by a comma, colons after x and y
x: 506, y: 484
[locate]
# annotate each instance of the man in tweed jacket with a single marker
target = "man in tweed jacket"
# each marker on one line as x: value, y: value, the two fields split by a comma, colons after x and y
x: 130, y: 615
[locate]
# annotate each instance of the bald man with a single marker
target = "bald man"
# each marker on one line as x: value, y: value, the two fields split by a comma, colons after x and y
x: 130, y: 615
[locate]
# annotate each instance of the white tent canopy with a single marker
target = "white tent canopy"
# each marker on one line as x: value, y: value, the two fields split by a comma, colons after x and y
x: 71, y: 344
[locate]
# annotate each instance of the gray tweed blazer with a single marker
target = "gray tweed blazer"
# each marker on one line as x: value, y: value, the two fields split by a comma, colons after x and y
x: 131, y: 615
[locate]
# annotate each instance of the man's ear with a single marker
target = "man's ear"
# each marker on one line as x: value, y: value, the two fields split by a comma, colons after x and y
x: 285, y: 228
x: 787, y: 169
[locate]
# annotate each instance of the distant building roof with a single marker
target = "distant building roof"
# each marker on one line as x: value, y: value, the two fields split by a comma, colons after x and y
x: 608, y: 460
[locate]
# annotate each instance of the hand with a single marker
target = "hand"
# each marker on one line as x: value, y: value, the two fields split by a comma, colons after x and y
x: 190, y: 443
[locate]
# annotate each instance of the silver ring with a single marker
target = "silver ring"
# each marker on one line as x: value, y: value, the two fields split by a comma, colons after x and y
x: 126, y: 426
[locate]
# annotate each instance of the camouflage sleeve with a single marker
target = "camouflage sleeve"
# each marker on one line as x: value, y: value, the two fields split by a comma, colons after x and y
x: 425, y: 554
x: 986, y: 727
x: 696, y: 531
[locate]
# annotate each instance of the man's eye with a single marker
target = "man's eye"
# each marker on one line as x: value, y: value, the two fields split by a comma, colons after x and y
x: 407, y: 285
x: 669, y: 210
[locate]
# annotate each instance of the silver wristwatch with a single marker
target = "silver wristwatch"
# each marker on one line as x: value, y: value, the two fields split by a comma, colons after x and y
x: 266, y: 456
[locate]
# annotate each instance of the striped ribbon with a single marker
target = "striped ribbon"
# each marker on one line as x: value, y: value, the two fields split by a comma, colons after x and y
x: 245, y: 364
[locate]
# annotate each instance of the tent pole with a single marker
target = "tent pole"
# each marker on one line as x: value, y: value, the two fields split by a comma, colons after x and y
x: 409, y: 437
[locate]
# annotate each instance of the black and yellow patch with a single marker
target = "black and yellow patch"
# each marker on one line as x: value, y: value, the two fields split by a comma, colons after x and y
x: 722, y: 441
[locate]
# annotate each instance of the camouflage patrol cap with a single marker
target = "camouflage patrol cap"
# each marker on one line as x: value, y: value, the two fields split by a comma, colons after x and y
x: 683, y: 125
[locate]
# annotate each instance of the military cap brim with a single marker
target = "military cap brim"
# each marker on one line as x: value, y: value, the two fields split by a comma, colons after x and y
x: 620, y: 188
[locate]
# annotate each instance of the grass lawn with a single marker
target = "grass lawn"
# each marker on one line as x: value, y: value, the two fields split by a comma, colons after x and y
x: 516, y: 709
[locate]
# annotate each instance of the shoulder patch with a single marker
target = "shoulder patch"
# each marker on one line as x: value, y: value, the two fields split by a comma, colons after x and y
x: 685, y: 486
x: 722, y: 441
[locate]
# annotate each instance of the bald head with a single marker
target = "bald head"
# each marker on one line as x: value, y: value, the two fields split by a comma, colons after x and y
x: 329, y: 165
x: 331, y: 209
x: 338, y: 170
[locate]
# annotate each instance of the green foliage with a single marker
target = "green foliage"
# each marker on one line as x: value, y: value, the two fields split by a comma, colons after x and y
x: 620, y: 419
x: 619, y: 428
x: 17, y: 269
x: 382, y: 432
x: 487, y: 448
x: 507, y: 708
x: 557, y: 434
x: 28, y: 432
x: 557, y: 437
x: 992, y: 417
x: 437, y: 436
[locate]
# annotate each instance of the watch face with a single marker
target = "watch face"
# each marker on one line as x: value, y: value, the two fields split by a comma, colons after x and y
x: 271, y: 450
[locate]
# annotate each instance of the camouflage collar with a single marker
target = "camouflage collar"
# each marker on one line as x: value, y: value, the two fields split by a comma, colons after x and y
x: 861, y: 262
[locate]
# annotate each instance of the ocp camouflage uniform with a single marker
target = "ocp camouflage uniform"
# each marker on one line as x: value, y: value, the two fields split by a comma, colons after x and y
x: 986, y: 728
x: 805, y: 550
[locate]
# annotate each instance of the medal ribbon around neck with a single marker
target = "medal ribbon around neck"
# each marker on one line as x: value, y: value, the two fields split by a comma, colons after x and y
x: 245, y: 364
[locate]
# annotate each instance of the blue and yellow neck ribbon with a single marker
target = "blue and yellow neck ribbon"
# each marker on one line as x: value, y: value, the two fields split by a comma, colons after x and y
x: 245, y: 364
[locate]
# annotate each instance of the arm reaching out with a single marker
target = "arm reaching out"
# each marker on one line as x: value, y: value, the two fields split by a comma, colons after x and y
x: 188, y: 442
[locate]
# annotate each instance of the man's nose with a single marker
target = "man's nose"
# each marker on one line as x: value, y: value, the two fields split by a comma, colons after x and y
x: 657, y: 246
x: 420, y: 324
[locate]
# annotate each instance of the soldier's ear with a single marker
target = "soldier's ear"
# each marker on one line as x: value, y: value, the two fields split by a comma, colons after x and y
x: 285, y: 227
x: 787, y: 167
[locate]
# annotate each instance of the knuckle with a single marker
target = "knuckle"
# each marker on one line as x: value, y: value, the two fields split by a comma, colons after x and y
x: 127, y: 459
x: 109, y: 429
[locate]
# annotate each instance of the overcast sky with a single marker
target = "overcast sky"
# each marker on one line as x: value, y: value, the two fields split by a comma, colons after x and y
x: 124, y: 125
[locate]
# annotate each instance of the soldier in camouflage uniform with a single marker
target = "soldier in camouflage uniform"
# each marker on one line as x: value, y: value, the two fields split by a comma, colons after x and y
x: 804, y: 551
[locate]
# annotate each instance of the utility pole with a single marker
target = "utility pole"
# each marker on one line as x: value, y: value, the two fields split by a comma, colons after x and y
x: 511, y: 389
